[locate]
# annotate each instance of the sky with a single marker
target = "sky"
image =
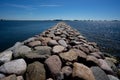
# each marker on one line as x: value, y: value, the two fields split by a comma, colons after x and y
x: 60, y: 9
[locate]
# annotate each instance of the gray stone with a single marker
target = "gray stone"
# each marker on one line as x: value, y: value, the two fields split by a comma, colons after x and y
x: 14, y: 67
x: 21, y: 50
x: 2, y: 75
x: 112, y: 77
x: 5, y: 56
x: 99, y: 74
x: 105, y: 66
x: 36, y: 71
x: 52, y: 43
x: 20, y: 78
x: 63, y: 43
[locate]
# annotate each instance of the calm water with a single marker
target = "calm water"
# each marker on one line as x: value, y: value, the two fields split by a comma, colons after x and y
x: 105, y: 33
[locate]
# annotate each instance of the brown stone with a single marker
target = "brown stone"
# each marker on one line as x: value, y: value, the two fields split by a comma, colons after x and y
x: 81, y: 71
x: 58, y: 49
x: 36, y: 71
x: 54, y: 64
x: 34, y: 43
x: 11, y: 77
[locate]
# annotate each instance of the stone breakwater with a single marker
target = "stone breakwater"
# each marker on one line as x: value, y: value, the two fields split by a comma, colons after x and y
x: 59, y: 53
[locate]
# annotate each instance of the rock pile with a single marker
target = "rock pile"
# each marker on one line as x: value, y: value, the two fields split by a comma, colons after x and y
x: 59, y: 53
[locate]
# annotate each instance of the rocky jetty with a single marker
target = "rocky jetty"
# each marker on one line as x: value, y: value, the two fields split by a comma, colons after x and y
x: 59, y: 53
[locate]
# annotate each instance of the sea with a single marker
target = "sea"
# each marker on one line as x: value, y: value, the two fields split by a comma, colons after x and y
x: 105, y: 33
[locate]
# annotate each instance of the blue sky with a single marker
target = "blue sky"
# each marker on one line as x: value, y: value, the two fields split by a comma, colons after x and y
x: 60, y: 9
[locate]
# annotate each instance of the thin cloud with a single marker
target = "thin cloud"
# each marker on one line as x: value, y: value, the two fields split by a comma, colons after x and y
x: 21, y: 6
x: 49, y: 5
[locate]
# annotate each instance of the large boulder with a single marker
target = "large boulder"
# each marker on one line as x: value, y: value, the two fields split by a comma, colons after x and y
x: 81, y: 71
x: 71, y: 55
x: 99, y: 74
x: 54, y: 64
x: 36, y: 71
x: 21, y: 50
x: 58, y: 49
x: 5, y: 56
x: 14, y: 67
x: 11, y: 77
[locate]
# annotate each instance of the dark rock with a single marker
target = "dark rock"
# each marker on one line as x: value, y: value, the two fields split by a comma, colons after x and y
x: 36, y: 71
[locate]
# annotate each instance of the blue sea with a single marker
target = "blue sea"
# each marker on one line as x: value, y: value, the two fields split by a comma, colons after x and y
x: 105, y: 33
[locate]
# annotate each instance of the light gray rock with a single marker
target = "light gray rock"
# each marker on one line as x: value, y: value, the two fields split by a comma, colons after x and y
x: 20, y: 78
x: 14, y: 67
x: 52, y: 43
x: 2, y: 75
x: 105, y: 66
x: 63, y: 43
x: 67, y: 70
x: 112, y: 77
x: 21, y: 50
x: 58, y: 49
x: 5, y: 56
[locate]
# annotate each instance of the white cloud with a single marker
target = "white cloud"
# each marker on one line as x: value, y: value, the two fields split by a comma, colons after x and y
x: 21, y: 6
x: 49, y: 5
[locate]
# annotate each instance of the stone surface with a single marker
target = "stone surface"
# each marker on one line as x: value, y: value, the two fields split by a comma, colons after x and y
x: 34, y: 43
x: 93, y: 60
x: 67, y: 70
x: 58, y: 49
x: 36, y: 71
x: 54, y: 64
x: 63, y: 43
x: 5, y: 56
x: 71, y: 55
x: 81, y: 71
x: 96, y: 54
x: 11, y: 77
x: 105, y: 66
x: 14, y: 67
x: 20, y: 78
x: 80, y: 53
x: 112, y: 77
x: 99, y: 74
x: 21, y: 50
x: 52, y: 43
x: 2, y: 75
